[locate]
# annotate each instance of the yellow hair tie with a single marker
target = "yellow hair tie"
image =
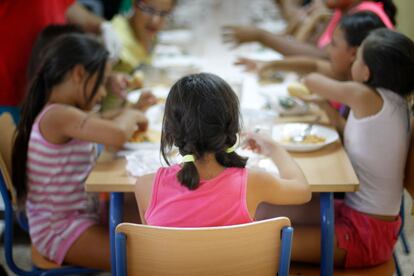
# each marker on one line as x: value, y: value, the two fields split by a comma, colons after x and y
x: 234, y: 147
x: 188, y: 158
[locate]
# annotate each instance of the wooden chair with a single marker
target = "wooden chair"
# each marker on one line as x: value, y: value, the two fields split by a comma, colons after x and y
x: 257, y: 248
x: 42, y: 266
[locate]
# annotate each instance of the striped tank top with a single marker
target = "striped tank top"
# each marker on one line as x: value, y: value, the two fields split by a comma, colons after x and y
x: 58, y: 208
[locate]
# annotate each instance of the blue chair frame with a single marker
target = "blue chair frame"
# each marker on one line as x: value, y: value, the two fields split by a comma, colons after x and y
x: 401, y: 234
x: 8, y: 243
x: 284, y: 259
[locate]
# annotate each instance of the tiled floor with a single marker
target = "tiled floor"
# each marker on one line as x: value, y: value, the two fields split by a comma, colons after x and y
x: 22, y: 250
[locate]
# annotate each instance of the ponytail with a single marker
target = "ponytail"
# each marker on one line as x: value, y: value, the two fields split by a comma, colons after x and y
x: 390, y: 9
x: 189, y: 176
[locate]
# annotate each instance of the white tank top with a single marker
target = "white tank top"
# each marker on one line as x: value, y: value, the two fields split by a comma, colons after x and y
x: 377, y: 147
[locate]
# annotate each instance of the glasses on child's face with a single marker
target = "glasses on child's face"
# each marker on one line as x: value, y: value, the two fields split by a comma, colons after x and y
x: 147, y: 9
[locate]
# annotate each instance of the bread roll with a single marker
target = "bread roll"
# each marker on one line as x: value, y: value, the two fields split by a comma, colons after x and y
x: 298, y: 90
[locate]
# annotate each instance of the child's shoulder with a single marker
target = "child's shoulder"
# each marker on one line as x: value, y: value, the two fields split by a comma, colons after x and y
x: 62, y: 113
x: 259, y: 177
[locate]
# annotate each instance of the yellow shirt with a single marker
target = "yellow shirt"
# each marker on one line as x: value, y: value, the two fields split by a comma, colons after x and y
x: 133, y: 53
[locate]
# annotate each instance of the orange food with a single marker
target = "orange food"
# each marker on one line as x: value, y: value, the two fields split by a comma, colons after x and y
x: 139, y: 137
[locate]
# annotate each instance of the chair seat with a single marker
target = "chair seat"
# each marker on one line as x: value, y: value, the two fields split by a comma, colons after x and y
x: 41, y: 262
x: 384, y: 269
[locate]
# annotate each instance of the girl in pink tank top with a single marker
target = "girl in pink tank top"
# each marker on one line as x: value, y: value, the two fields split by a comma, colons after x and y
x: 55, y: 149
x: 384, y: 9
x: 212, y: 187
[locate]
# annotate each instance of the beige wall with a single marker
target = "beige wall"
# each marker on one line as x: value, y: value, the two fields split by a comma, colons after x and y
x: 405, y: 17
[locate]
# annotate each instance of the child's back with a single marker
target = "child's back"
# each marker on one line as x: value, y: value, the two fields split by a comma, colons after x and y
x: 220, y: 200
x: 212, y: 187
x: 377, y: 146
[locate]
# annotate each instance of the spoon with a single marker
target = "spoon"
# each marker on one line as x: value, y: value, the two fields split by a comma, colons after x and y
x: 306, y: 132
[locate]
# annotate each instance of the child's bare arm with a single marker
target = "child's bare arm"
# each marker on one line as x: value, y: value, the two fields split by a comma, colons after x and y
x: 363, y: 100
x: 62, y: 123
x: 283, y: 44
x: 299, y: 64
x: 291, y: 187
x: 143, y: 193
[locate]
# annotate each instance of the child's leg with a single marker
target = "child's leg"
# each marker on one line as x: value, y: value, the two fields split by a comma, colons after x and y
x: 91, y: 249
x: 307, y: 246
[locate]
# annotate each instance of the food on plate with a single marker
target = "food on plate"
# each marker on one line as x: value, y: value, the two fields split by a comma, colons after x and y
x: 308, y: 139
x: 136, y: 80
x: 298, y: 90
x: 139, y: 137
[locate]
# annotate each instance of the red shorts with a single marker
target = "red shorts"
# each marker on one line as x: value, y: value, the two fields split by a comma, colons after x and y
x: 367, y: 241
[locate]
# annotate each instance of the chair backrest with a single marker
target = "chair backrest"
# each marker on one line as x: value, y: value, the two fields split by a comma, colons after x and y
x: 245, y: 249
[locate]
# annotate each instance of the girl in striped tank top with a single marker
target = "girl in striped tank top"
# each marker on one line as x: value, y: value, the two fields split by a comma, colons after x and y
x: 55, y: 149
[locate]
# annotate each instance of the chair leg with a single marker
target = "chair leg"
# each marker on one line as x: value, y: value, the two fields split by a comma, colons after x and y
x: 397, y: 264
x: 404, y: 242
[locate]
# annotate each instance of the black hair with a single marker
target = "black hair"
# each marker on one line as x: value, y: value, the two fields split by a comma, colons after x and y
x: 62, y: 56
x: 44, y: 39
x: 389, y: 56
x: 201, y: 116
x: 357, y: 26
x: 390, y: 9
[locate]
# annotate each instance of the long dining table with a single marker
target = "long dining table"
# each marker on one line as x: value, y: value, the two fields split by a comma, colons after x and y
x: 327, y: 170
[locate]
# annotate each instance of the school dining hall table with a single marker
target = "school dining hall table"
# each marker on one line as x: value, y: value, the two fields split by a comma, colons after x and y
x: 327, y: 170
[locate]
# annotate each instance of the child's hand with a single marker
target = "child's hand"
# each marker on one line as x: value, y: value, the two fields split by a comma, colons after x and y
x: 146, y: 100
x: 240, y: 34
x: 249, y: 64
x: 141, y: 120
x: 260, y: 143
x: 137, y: 121
x: 118, y: 83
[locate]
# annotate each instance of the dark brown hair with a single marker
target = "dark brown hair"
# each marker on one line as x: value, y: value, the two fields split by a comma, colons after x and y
x: 389, y: 56
x: 201, y: 116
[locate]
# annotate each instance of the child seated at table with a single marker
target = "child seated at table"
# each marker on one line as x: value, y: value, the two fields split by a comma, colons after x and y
x: 137, y: 32
x: 117, y: 83
x: 348, y: 36
x: 287, y: 46
x: 376, y: 139
x: 212, y: 187
x: 55, y: 149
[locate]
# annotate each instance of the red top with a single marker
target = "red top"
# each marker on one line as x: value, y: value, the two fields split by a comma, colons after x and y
x: 20, y: 23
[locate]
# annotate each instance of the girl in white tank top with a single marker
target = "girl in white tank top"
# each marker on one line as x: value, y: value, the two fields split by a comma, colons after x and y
x: 376, y: 139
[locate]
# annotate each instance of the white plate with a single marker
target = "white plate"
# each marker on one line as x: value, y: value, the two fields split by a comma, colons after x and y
x: 284, y: 131
x: 178, y: 37
x: 142, y: 146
